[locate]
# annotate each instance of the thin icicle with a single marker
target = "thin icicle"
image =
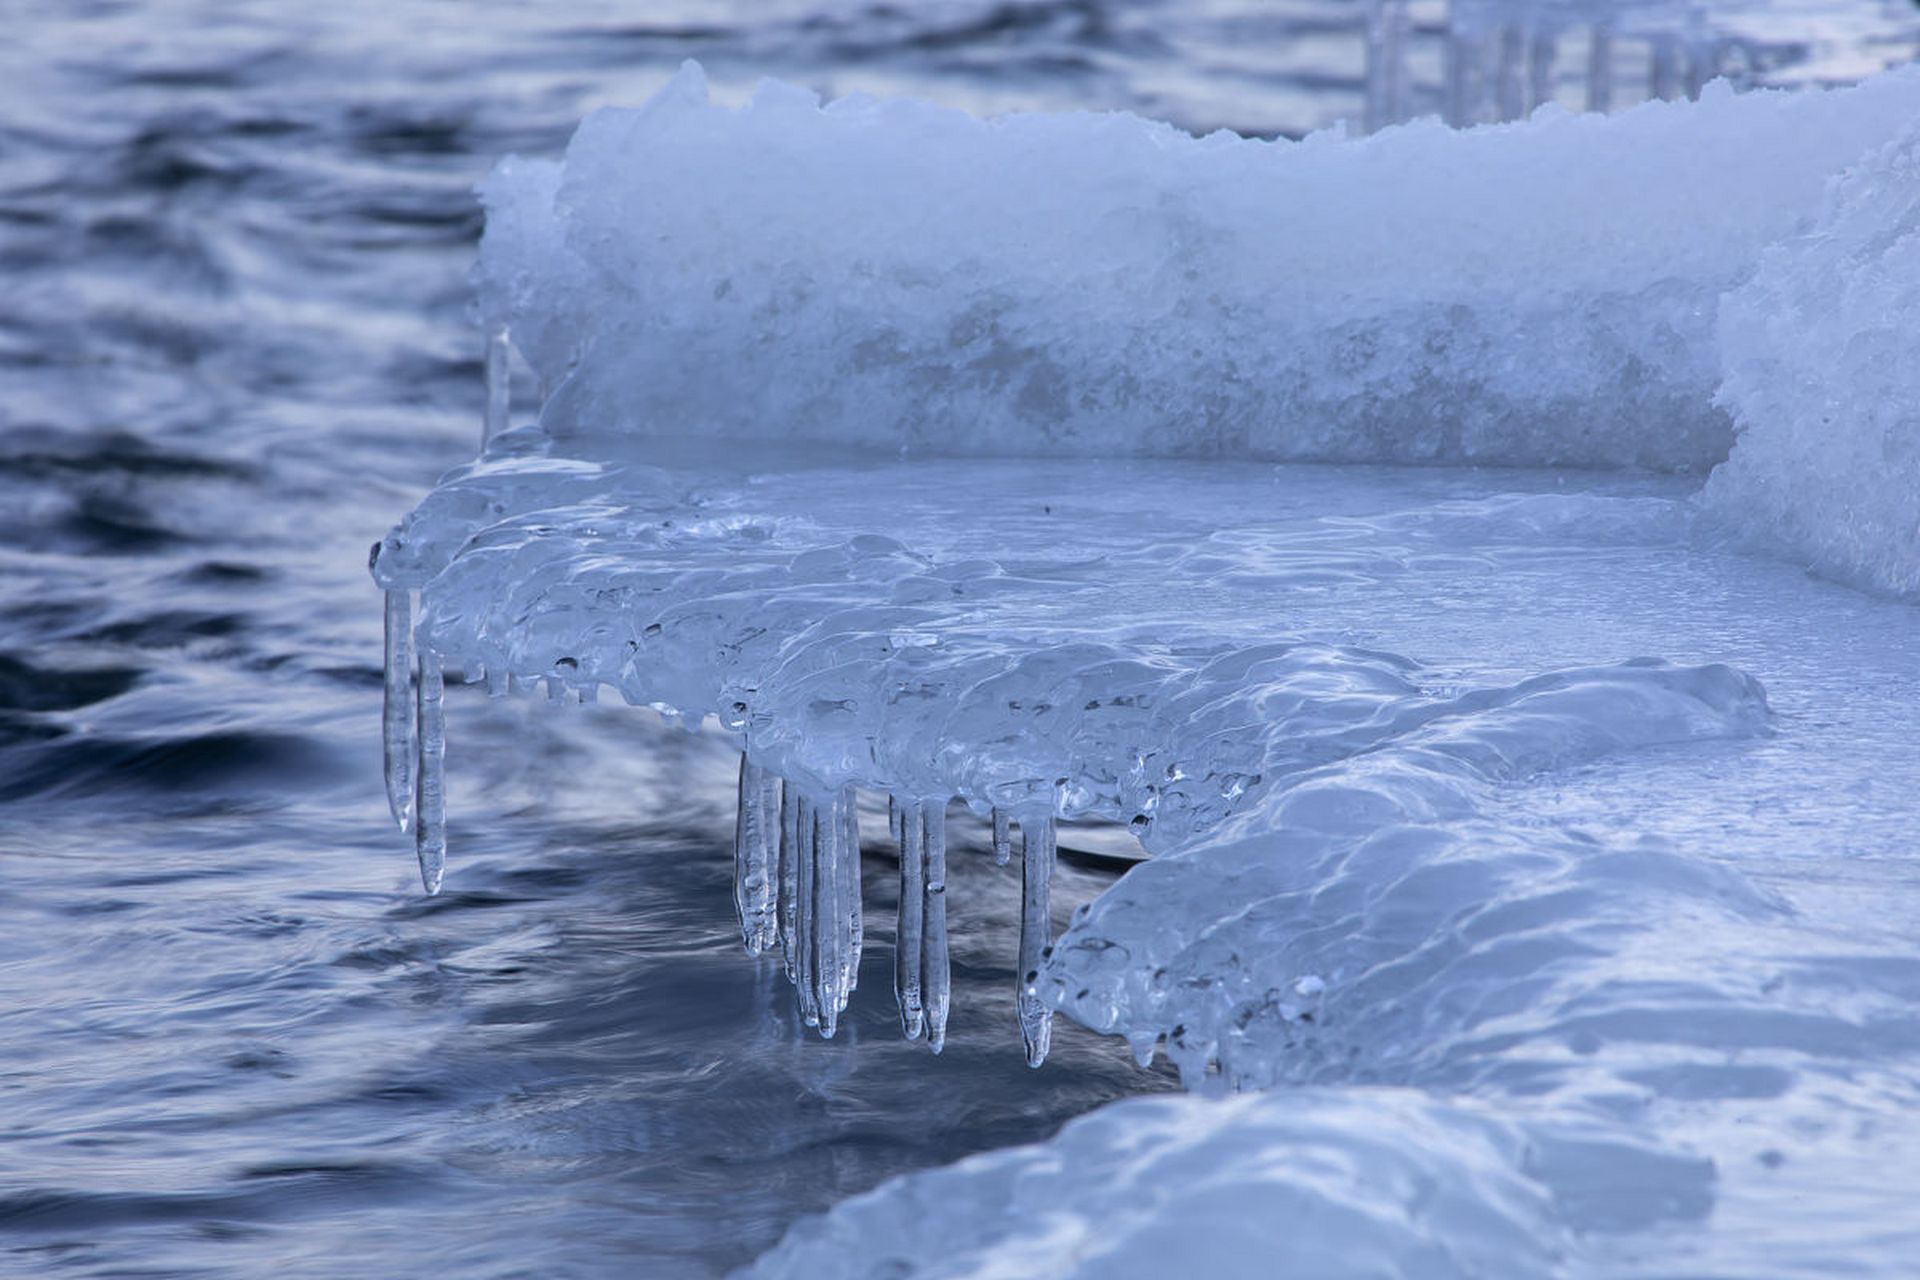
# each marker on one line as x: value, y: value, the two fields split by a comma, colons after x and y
x: 856, y: 923
x: 397, y: 724
x: 1036, y: 930
x: 906, y: 937
x: 893, y: 819
x: 754, y: 852
x: 829, y: 916
x: 499, y: 385
x: 430, y: 796
x: 789, y: 880
x: 935, y: 976
x: 806, y: 925
x: 1002, y: 838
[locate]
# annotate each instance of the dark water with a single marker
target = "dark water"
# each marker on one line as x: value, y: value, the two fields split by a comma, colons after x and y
x: 234, y: 346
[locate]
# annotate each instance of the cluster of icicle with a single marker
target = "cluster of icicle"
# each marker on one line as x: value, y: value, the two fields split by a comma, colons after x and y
x: 796, y: 863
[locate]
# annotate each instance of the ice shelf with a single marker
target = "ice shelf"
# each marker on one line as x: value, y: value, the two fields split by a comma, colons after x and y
x: 707, y: 517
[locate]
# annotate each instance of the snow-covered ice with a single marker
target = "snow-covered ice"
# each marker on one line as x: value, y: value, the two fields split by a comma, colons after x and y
x: 1498, y: 815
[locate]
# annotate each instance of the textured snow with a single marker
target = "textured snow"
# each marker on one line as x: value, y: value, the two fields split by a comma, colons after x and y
x: 1823, y: 382
x: 889, y: 274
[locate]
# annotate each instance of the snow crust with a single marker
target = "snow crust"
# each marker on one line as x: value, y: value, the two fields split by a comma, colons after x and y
x: 889, y: 274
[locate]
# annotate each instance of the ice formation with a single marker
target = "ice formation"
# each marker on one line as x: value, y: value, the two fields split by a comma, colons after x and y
x: 1823, y: 382
x: 1332, y: 1185
x: 888, y: 275
x: 853, y: 437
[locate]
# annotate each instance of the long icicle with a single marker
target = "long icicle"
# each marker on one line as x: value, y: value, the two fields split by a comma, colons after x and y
x: 754, y: 873
x: 430, y: 796
x: 1002, y: 838
x: 856, y: 924
x: 806, y: 918
x: 789, y: 881
x: 1036, y: 927
x: 935, y: 976
x: 906, y: 937
x: 499, y: 385
x: 397, y: 724
x: 829, y: 917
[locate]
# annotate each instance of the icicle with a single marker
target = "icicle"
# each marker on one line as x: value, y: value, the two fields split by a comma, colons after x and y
x: 850, y: 870
x: 499, y: 683
x: 935, y: 976
x: 430, y: 796
x: 1600, y: 70
x: 789, y: 880
x: 829, y: 916
x: 893, y: 819
x: 1036, y: 928
x: 906, y: 937
x: 556, y: 691
x: 397, y: 716
x: 754, y: 852
x: 499, y: 386
x: 806, y: 924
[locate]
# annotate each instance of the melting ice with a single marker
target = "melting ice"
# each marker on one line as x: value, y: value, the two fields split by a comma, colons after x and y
x: 962, y: 462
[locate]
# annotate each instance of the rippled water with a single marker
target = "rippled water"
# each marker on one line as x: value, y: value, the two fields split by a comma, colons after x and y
x: 233, y: 347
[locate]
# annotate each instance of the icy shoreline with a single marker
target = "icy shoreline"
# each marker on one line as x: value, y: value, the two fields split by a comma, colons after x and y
x: 1310, y: 691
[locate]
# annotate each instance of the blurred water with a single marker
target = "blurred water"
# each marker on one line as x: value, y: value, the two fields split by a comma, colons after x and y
x: 233, y: 347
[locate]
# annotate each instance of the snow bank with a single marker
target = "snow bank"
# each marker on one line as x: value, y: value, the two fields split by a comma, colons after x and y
x: 888, y: 274
x: 1822, y: 356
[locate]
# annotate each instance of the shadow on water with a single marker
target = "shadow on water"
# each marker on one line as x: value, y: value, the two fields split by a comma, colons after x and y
x: 241, y: 1040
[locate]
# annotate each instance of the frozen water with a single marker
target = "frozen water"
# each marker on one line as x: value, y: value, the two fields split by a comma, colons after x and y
x: 1512, y: 909
x: 1336, y: 1185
